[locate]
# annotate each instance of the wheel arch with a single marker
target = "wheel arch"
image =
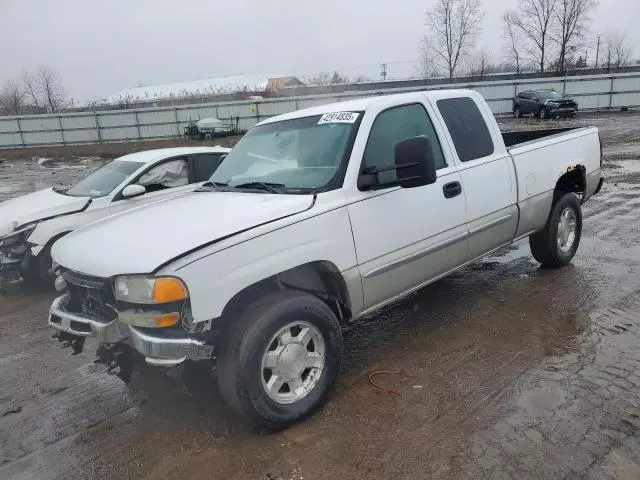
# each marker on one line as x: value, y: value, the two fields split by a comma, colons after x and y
x: 320, y: 278
x: 574, y: 180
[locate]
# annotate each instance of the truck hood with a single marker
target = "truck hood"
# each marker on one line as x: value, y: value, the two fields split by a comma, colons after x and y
x: 142, y: 239
x: 38, y: 206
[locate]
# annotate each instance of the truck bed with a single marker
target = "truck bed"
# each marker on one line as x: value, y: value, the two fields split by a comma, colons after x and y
x: 518, y: 137
x: 540, y: 157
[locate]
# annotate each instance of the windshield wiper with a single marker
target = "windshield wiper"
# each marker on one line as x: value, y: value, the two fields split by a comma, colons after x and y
x: 268, y: 186
x: 215, y: 184
x: 208, y: 186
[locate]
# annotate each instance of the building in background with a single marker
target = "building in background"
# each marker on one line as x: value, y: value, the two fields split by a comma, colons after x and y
x: 232, y: 87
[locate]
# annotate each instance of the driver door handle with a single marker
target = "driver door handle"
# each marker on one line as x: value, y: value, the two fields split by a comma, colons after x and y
x: 452, y: 189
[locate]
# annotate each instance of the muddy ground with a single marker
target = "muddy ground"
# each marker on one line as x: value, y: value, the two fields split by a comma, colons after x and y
x: 510, y: 371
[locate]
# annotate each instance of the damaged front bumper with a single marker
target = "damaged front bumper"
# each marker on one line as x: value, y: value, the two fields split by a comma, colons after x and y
x: 156, y: 347
x: 16, y: 253
x: 14, y: 260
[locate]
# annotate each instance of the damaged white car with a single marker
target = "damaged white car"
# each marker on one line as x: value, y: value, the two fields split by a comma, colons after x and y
x: 29, y: 225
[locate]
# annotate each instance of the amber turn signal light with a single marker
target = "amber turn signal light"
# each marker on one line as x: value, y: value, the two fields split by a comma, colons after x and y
x: 168, y: 290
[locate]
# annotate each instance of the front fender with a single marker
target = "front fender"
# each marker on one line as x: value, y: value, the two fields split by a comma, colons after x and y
x: 215, y: 279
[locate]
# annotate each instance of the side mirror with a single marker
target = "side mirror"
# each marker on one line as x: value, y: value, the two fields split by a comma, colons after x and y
x: 414, y: 164
x: 134, y: 190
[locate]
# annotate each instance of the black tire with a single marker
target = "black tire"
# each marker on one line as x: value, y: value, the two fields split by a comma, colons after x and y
x: 240, y: 363
x: 517, y: 112
x: 38, y: 273
x: 544, y: 244
x: 542, y: 113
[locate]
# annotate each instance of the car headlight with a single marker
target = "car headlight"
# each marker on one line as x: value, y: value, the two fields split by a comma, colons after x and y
x: 17, y: 236
x: 7, y: 229
x: 148, y: 290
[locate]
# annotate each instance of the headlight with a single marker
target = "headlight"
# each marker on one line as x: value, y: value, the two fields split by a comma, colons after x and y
x: 18, y: 236
x: 149, y: 290
x: 7, y: 229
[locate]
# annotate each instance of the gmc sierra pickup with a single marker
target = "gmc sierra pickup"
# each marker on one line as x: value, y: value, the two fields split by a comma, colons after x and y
x: 315, y: 218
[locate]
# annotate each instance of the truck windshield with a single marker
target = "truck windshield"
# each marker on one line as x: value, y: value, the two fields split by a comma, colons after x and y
x: 299, y: 155
x: 104, y: 180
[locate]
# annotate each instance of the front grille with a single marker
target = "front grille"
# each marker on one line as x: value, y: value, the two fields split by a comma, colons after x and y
x: 92, y: 296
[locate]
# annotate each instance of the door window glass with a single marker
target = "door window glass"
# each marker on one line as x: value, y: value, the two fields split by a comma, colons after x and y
x: 174, y: 173
x: 467, y: 128
x: 204, y: 164
x: 390, y: 128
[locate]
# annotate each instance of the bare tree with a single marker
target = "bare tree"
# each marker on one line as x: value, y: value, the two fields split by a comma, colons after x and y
x: 320, y: 79
x: 617, y: 50
x: 571, y: 19
x: 338, y: 78
x: 12, y: 98
x: 511, y: 37
x: 51, y: 90
x: 480, y: 64
x: 453, y: 27
x: 31, y: 89
x: 534, y: 21
x: 427, y: 66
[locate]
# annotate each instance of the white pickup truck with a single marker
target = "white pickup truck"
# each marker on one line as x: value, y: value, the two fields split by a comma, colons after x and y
x: 31, y: 224
x: 315, y: 218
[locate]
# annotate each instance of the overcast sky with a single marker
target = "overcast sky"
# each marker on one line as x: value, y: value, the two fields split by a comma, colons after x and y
x: 100, y: 47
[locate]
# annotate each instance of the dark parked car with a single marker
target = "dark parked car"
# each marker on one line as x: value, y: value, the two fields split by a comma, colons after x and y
x: 544, y: 104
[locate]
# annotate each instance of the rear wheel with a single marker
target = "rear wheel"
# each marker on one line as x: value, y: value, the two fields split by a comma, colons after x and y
x: 281, y: 358
x: 558, y: 242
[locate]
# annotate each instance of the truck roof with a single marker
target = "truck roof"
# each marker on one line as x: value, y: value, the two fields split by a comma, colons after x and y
x: 161, y: 153
x: 362, y: 104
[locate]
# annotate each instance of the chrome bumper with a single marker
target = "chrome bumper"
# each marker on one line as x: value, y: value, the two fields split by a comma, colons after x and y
x: 157, y: 350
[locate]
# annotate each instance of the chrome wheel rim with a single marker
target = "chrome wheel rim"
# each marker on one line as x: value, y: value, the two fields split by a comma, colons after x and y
x: 567, y: 227
x: 293, y: 362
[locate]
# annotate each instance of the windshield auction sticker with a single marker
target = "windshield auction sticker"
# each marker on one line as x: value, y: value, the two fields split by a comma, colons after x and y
x: 338, y: 117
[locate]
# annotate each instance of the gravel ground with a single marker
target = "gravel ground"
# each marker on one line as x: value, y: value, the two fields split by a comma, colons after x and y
x: 510, y: 371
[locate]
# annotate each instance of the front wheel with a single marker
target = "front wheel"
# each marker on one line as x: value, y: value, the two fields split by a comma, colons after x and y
x: 558, y: 242
x: 281, y: 358
x: 517, y: 113
x: 542, y: 113
x: 40, y: 271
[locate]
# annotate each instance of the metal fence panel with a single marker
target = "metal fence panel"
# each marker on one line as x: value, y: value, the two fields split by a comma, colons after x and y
x: 8, y: 125
x: 590, y: 91
x: 119, y: 133
x: 81, y: 136
x: 42, y: 137
x: 109, y: 119
x: 10, y: 139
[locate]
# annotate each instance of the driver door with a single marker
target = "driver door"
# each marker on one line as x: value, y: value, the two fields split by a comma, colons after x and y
x: 405, y: 237
x: 163, y: 180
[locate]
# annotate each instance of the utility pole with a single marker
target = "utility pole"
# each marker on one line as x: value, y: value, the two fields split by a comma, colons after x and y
x: 383, y: 71
x: 598, y: 51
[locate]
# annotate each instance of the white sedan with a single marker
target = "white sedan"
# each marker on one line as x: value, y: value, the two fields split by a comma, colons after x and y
x: 29, y: 225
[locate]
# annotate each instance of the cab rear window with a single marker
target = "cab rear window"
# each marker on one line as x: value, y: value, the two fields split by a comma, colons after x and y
x: 467, y: 128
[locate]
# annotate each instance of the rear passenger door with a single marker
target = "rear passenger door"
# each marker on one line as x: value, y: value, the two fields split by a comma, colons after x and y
x: 204, y: 164
x: 487, y: 174
x: 525, y: 102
